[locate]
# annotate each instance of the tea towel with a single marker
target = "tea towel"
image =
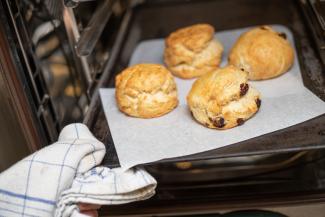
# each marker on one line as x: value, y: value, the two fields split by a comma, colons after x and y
x: 52, y: 180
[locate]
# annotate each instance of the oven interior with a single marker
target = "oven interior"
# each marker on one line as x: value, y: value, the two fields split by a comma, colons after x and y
x: 61, y: 71
x: 223, y: 178
x: 239, y: 181
x: 156, y: 19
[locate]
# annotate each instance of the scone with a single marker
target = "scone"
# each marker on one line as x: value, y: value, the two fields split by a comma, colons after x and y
x: 146, y: 91
x: 192, y: 51
x: 223, y: 99
x: 263, y: 52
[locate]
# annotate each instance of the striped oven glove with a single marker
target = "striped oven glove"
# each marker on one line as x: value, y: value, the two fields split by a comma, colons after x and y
x: 53, y: 180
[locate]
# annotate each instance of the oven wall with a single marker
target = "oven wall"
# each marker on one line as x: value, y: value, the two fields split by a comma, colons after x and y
x: 13, y: 144
x: 20, y: 133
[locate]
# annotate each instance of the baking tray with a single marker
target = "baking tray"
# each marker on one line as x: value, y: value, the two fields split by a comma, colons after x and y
x: 156, y: 19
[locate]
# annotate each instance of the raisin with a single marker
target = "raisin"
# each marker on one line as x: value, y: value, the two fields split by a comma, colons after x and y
x: 240, y: 121
x: 218, y: 122
x: 258, y: 103
x: 242, y: 69
x: 283, y: 35
x: 243, y: 89
x: 263, y: 27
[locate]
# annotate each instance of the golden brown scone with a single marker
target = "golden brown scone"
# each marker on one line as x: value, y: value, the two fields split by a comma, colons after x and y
x: 263, y: 52
x: 146, y: 91
x: 223, y: 99
x: 192, y: 51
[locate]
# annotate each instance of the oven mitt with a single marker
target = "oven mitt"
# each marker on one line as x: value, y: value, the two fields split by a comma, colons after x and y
x: 52, y: 180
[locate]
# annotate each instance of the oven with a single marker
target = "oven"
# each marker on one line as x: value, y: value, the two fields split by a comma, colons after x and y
x: 64, y: 51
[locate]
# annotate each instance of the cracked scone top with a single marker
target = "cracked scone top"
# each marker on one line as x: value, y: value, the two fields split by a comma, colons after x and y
x: 192, y: 51
x: 263, y: 53
x: 223, y: 99
x: 146, y: 91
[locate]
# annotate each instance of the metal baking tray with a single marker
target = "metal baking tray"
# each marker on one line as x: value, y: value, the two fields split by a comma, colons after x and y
x: 156, y: 19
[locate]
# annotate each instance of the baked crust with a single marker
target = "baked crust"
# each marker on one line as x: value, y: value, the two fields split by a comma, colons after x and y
x: 192, y: 51
x: 263, y: 52
x: 146, y: 91
x: 223, y: 99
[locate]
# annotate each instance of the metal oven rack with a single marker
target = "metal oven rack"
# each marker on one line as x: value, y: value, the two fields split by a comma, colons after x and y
x: 29, y: 72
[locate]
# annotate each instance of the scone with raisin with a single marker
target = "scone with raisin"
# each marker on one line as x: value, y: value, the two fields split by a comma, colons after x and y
x: 223, y: 99
x: 263, y: 53
x: 146, y: 91
x: 192, y: 51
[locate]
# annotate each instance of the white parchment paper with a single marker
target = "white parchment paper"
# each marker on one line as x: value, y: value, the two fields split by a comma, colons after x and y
x: 285, y: 102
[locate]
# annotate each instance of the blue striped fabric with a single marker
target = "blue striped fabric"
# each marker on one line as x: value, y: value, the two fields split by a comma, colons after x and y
x: 51, y: 181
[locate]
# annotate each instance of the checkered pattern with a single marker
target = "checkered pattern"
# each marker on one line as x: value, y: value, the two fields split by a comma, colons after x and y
x: 51, y: 181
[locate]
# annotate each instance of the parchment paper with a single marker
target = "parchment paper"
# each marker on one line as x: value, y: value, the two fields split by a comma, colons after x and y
x: 285, y: 102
